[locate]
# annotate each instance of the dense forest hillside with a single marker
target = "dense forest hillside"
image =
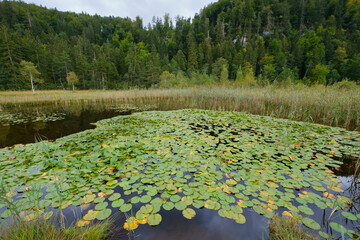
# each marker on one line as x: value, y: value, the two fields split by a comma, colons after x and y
x: 313, y: 41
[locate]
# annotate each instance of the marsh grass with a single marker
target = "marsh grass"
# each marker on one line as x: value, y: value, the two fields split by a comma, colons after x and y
x: 40, y: 229
x: 318, y: 104
x: 285, y: 228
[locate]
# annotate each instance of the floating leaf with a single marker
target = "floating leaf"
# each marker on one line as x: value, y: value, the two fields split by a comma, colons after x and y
x: 188, y: 213
x: 306, y: 210
x: 239, y: 218
x: 310, y: 223
x: 103, y: 214
x: 349, y: 216
x: 126, y: 207
x: 180, y: 206
x: 323, y: 234
x: 154, y: 219
x: 145, y: 199
x: 175, y: 198
x: 168, y: 206
x: 101, y: 206
x: 82, y: 223
x: 337, y: 227
x: 114, y: 197
x: 91, y: 215
x: 117, y: 203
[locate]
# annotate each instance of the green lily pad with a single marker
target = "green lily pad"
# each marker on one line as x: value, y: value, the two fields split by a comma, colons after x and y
x: 154, y: 219
x: 188, y: 213
x: 349, y: 216
x: 117, y: 203
x: 180, y: 206
x: 103, y: 214
x: 114, y: 197
x: 310, y: 223
x: 101, y: 206
x: 126, y: 207
x: 168, y: 206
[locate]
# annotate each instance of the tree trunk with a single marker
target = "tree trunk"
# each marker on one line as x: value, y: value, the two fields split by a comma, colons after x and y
x: 73, y: 87
x: 32, y: 83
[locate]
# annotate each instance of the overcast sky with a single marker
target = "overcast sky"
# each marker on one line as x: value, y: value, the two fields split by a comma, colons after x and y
x: 146, y: 9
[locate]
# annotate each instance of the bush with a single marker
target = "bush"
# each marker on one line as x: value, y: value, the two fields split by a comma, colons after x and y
x: 345, y: 84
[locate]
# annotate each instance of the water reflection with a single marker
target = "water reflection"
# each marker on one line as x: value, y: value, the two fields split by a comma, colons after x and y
x: 31, y: 131
x: 207, y: 224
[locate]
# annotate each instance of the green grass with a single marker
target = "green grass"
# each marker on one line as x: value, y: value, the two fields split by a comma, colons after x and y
x: 286, y: 228
x: 41, y: 229
x: 333, y: 106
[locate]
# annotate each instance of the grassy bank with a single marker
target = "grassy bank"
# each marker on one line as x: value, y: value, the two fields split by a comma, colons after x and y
x: 41, y: 229
x: 325, y: 105
x: 285, y: 228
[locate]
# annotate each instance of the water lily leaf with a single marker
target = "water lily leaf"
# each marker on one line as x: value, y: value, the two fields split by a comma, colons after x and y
x: 125, y: 207
x: 239, y: 218
x: 175, y: 198
x: 114, y: 197
x: 103, y: 214
x: 180, y: 205
x: 188, y: 213
x: 324, y: 235
x: 146, y: 209
x: 231, y: 182
x: 310, y: 223
x: 135, y: 200
x: 187, y: 199
x: 101, y: 206
x: 210, y: 204
x: 168, y: 206
x: 117, y: 203
x: 91, y: 215
x: 82, y: 223
x: 145, y: 199
x: 198, y: 204
x: 306, y: 210
x: 349, y: 216
x: 99, y: 200
x: 337, y: 227
x: 154, y: 219
x: 89, y: 198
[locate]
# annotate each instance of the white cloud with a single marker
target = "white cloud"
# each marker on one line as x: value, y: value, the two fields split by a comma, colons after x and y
x: 146, y: 9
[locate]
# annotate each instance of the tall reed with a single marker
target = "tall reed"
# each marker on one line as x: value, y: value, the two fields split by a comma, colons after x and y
x: 319, y: 104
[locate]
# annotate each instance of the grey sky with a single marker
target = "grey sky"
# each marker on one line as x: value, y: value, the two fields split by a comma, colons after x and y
x: 146, y: 9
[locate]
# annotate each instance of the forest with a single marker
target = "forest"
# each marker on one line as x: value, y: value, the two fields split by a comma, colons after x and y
x: 250, y: 41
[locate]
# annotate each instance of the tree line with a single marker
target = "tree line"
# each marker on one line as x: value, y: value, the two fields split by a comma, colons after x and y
x: 309, y: 41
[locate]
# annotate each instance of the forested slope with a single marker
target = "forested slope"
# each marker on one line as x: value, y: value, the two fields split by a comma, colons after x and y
x: 314, y: 41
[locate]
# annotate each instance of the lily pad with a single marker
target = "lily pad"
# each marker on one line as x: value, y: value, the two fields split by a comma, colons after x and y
x: 310, y: 223
x: 188, y: 213
x: 154, y: 219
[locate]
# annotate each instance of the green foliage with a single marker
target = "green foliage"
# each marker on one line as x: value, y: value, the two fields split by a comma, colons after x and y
x: 220, y: 69
x: 318, y: 74
x: 246, y: 76
x: 108, y: 52
x: 168, y: 80
x: 40, y: 229
x: 29, y: 71
x: 72, y: 79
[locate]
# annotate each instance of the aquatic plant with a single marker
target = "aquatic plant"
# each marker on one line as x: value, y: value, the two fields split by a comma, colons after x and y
x: 184, y: 160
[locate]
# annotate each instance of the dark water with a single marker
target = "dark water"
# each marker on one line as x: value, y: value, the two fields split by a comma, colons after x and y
x: 206, y: 225
x: 33, y: 131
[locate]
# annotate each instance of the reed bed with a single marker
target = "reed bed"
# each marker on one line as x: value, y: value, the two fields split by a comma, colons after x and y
x: 319, y: 104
